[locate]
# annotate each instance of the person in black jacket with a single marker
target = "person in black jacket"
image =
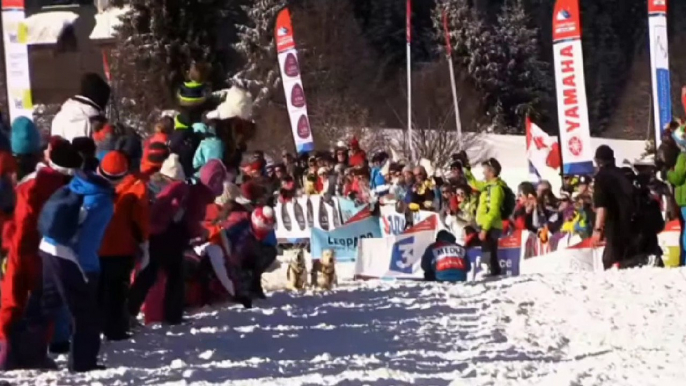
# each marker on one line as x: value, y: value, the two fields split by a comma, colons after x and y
x: 613, y: 200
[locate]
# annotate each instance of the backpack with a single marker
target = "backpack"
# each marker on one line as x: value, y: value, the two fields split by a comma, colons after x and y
x: 60, y: 217
x: 509, y: 202
x: 647, y: 214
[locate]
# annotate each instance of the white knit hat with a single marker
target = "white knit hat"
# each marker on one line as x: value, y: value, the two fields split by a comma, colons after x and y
x: 237, y: 104
x: 171, y: 167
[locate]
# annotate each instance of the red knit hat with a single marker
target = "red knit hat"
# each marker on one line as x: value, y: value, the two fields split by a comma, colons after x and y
x: 114, y: 166
x: 262, y: 220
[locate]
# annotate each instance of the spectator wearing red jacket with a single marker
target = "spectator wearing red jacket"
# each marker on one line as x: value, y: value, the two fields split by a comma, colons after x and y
x: 21, y: 348
x: 358, y: 157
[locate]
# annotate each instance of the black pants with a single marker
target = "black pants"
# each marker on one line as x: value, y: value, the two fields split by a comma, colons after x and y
x: 63, y: 282
x: 489, y: 251
x: 171, y: 262
x: 115, y: 277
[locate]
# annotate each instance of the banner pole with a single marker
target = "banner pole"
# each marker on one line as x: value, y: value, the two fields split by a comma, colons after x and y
x: 456, y: 104
x: 410, y: 134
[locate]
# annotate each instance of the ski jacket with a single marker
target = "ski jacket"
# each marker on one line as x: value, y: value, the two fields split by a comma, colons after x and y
x: 491, y: 198
x: 446, y: 261
x: 96, y: 212
x: 130, y: 224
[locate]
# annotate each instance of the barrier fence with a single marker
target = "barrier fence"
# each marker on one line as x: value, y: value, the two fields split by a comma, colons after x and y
x: 381, y: 247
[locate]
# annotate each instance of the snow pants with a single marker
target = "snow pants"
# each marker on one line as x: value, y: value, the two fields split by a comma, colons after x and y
x: 113, y: 295
x: 171, y: 262
x: 23, y: 276
x: 65, y: 283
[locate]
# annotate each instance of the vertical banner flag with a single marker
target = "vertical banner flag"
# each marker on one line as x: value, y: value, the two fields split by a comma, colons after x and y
x: 572, y: 107
x: 543, y: 153
x: 659, y: 66
x: 14, y: 34
x: 292, y: 83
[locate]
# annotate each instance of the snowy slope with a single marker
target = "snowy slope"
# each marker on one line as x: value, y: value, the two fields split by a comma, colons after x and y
x: 614, y: 328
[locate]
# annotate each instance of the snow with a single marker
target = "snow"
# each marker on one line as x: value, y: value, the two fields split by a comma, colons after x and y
x: 45, y: 27
x: 612, y: 328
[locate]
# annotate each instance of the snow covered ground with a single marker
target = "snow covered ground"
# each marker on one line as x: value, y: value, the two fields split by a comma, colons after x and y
x: 616, y: 328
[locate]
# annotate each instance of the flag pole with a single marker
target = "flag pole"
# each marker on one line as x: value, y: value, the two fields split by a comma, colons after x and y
x: 409, y: 79
x: 449, y: 52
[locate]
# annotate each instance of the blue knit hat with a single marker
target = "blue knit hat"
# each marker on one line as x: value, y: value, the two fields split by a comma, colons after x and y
x: 201, y: 128
x: 25, y: 138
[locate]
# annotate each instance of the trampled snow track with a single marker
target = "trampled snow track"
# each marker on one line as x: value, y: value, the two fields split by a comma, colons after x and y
x: 616, y: 328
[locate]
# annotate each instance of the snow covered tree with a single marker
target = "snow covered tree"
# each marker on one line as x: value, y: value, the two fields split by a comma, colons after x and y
x: 503, y: 60
x: 260, y: 69
x: 156, y: 44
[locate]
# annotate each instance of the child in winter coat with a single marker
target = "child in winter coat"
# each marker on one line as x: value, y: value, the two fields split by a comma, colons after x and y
x: 176, y: 219
x: 210, y: 146
x: 20, y: 346
x: 71, y: 270
x: 126, y: 239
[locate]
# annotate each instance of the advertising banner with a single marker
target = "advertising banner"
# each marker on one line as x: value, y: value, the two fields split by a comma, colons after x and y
x: 345, y: 240
x: 295, y: 219
x: 292, y: 82
x: 572, y: 107
x: 16, y: 59
x: 349, y: 208
x: 659, y: 66
x: 398, y: 257
x: 509, y: 256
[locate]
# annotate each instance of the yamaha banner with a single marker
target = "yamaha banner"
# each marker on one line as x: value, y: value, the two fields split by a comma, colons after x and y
x: 659, y: 66
x: 572, y: 107
x: 292, y: 83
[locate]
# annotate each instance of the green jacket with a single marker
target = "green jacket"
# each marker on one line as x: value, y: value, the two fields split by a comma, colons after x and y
x: 491, y: 198
x: 677, y: 177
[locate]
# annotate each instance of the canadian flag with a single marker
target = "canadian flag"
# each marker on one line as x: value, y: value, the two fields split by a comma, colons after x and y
x: 543, y: 150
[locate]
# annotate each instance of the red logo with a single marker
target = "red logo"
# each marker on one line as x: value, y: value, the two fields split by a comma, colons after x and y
x: 291, y: 67
x: 575, y: 146
x: 298, y: 96
x: 303, y: 127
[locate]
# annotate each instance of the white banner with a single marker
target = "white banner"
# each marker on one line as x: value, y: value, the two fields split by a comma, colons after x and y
x: 292, y: 82
x: 17, y: 72
x: 398, y: 257
x: 659, y: 66
x: 572, y: 106
x: 295, y: 220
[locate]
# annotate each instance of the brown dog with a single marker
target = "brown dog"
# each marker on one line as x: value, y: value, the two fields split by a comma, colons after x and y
x: 324, y: 271
x: 297, y: 271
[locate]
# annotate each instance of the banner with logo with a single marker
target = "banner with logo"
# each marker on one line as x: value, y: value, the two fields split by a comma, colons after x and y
x: 295, y: 219
x: 532, y: 245
x: 398, y: 256
x: 349, y: 208
x: 345, y: 240
x: 17, y: 73
x: 582, y: 257
x: 509, y: 256
x: 394, y: 223
x: 543, y: 153
x: 572, y: 107
x: 292, y: 82
x: 659, y: 66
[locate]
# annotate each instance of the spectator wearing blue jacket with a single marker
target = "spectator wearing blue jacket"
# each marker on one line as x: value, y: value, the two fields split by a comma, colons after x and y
x: 211, y: 147
x: 380, y: 168
x: 71, y: 270
x: 445, y: 260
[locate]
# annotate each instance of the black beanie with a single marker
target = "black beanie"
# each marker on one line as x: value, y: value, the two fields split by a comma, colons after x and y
x: 84, y: 145
x: 64, y: 155
x: 96, y: 89
x: 604, y: 153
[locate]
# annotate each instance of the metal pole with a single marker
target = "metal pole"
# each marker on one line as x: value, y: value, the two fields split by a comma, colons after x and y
x: 449, y: 52
x: 409, y: 80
